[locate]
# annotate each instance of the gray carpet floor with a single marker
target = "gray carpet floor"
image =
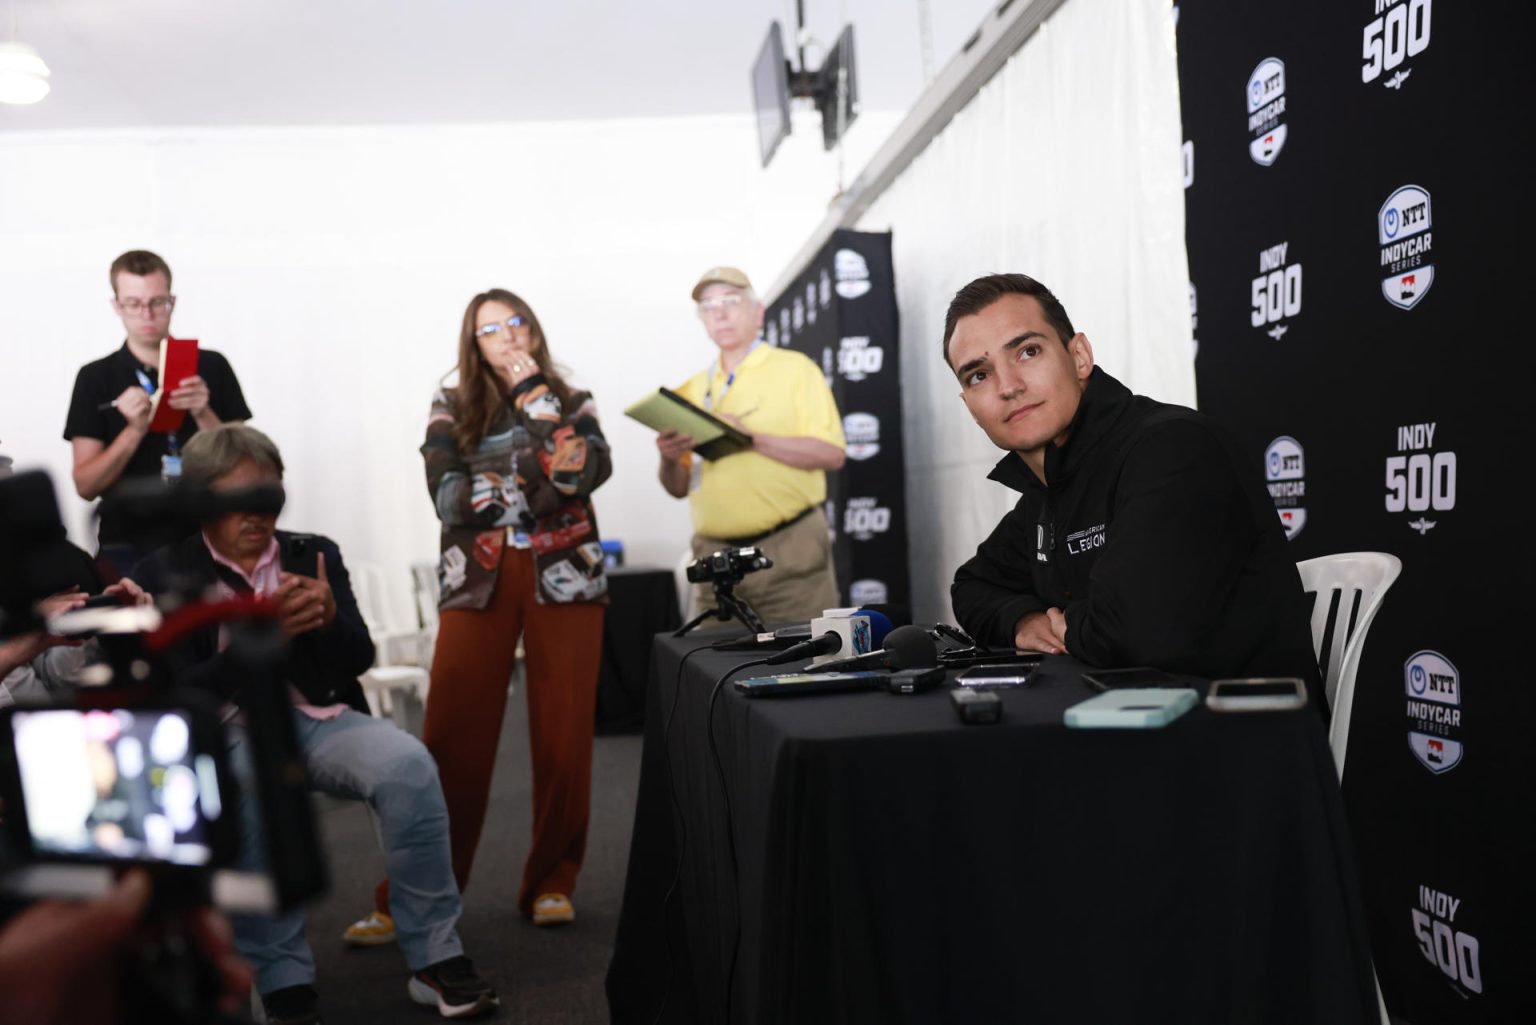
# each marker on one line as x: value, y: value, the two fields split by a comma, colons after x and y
x: 548, y: 976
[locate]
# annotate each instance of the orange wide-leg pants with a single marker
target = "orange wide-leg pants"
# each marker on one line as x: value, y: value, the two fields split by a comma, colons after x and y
x: 471, y: 669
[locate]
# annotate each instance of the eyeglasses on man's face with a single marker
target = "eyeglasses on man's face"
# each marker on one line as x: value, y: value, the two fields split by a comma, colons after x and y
x: 155, y: 306
x: 721, y: 303
x: 495, y: 327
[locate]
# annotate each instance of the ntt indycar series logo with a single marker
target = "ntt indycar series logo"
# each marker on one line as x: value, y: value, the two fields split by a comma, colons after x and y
x: 869, y: 592
x: 1403, y: 231
x: 1434, y: 710
x: 1285, y: 470
x: 862, y: 432
x: 852, y: 272
x: 1266, y: 111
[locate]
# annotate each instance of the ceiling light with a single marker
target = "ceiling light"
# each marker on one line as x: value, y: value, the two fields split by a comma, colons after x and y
x: 23, y: 75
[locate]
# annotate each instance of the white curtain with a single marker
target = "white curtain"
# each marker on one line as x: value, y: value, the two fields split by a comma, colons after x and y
x: 1066, y: 167
x: 332, y: 267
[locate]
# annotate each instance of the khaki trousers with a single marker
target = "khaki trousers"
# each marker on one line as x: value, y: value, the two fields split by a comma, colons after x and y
x: 800, y: 584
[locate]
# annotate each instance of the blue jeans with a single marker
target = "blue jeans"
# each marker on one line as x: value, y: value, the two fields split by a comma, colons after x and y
x: 356, y: 756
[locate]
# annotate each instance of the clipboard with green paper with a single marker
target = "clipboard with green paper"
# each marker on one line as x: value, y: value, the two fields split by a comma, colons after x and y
x: 713, y: 438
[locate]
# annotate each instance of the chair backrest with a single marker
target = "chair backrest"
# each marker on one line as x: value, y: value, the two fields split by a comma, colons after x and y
x: 424, y: 586
x: 368, y: 588
x: 684, y: 587
x: 1348, y: 574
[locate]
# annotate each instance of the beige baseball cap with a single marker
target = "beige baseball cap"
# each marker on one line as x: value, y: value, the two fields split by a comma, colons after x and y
x: 721, y: 276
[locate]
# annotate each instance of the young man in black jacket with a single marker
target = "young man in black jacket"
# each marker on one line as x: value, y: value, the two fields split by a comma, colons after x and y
x: 347, y: 753
x: 1143, y: 536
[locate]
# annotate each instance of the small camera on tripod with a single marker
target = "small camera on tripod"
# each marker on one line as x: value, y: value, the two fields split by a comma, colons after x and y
x: 723, y: 570
x: 727, y: 566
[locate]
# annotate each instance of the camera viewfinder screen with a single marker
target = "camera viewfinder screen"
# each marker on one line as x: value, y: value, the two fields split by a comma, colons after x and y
x: 116, y: 784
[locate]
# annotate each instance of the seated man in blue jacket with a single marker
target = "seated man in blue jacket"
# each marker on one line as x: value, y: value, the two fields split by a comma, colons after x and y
x: 347, y: 753
x: 1143, y: 535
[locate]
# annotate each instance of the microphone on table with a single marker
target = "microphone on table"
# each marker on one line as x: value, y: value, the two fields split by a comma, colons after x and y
x: 828, y: 643
x: 785, y: 636
x: 906, y: 647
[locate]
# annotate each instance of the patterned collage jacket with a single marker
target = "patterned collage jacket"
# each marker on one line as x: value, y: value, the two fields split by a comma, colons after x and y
x: 527, y: 483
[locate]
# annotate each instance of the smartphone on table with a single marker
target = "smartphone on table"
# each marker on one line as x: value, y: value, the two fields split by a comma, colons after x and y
x: 1257, y: 694
x: 995, y: 676
x: 1136, y: 676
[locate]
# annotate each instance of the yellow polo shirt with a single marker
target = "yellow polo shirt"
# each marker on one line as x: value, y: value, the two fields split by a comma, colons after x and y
x: 776, y: 391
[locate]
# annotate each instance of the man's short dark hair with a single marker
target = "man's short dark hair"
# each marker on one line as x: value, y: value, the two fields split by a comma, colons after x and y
x: 985, y: 291
x: 141, y: 263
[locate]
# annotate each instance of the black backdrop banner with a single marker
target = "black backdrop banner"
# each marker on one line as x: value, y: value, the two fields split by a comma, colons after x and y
x: 1356, y: 198
x: 840, y: 311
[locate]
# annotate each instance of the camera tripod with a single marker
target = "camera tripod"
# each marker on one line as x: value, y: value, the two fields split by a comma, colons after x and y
x: 727, y: 606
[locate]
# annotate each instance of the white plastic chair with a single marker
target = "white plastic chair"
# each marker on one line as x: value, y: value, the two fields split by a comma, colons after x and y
x: 684, y: 587
x: 1368, y: 575
x: 393, y: 689
x: 424, y: 586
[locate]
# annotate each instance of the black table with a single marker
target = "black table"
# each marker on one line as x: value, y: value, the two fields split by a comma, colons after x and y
x: 642, y: 603
x: 896, y: 865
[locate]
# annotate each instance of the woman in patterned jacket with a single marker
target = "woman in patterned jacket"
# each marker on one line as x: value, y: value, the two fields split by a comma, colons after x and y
x: 512, y: 454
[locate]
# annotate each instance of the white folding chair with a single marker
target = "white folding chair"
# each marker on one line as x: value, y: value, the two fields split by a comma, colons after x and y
x: 684, y: 587
x: 392, y: 689
x: 1360, y: 579
x: 1356, y: 577
x: 424, y: 589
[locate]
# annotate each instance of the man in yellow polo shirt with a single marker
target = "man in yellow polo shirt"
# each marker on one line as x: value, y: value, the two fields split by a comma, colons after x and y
x: 770, y: 496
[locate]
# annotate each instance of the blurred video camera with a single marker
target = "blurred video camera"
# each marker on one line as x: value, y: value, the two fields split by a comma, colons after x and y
x: 727, y: 566
x: 134, y: 768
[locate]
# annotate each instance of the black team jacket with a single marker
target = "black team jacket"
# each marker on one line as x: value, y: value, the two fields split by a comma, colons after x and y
x: 1155, y: 537
x: 323, y: 665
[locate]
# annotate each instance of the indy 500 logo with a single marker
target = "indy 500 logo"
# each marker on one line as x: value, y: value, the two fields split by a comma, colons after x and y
x: 1422, y: 481
x: 1266, y: 109
x: 1399, y: 31
x: 1403, y: 231
x: 1276, y: 292
x: 857, y: 359
x: 1443, y: 944
x: 863, y: 518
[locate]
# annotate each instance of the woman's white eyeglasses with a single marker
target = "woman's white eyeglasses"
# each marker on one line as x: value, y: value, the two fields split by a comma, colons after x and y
x: 512, y: 323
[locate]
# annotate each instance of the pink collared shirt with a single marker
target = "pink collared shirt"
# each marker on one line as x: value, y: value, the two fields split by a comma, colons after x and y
x: 264, y: 579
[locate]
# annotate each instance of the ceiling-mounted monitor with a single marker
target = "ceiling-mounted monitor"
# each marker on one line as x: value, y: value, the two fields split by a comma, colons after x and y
x: 837, y: 93
x: 770, y: 93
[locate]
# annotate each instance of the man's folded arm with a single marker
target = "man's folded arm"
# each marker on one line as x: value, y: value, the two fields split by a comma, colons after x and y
x: 993, y: 590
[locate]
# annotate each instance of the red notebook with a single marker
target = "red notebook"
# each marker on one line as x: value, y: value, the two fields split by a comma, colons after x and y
x: 178, y: 361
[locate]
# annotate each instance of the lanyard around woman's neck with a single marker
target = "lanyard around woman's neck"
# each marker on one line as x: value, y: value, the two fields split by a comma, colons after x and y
x: 730, y: 379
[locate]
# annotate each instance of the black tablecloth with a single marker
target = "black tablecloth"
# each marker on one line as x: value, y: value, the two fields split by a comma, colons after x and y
x: 897, y: 865
x: 642, y: 603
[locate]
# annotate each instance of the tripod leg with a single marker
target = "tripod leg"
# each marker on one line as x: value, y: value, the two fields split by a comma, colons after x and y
x: 695, y: 621
x: 742, y: 610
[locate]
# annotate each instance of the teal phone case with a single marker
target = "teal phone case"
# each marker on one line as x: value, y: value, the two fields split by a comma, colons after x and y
x: 1132, y: 708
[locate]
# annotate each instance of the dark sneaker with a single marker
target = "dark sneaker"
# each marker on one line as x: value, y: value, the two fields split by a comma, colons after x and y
x: 454, y: 987
x: 292, y: 1005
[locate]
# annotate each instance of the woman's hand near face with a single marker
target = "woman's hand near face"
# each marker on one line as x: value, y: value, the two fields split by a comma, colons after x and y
x: 517, y: 368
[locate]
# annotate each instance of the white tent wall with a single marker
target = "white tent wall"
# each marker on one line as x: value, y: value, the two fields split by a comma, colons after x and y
x: 332, y: 267
x: 1065, y: 166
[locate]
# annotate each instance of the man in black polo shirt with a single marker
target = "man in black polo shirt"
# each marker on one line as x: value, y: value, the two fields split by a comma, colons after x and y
x: 108, y: 421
